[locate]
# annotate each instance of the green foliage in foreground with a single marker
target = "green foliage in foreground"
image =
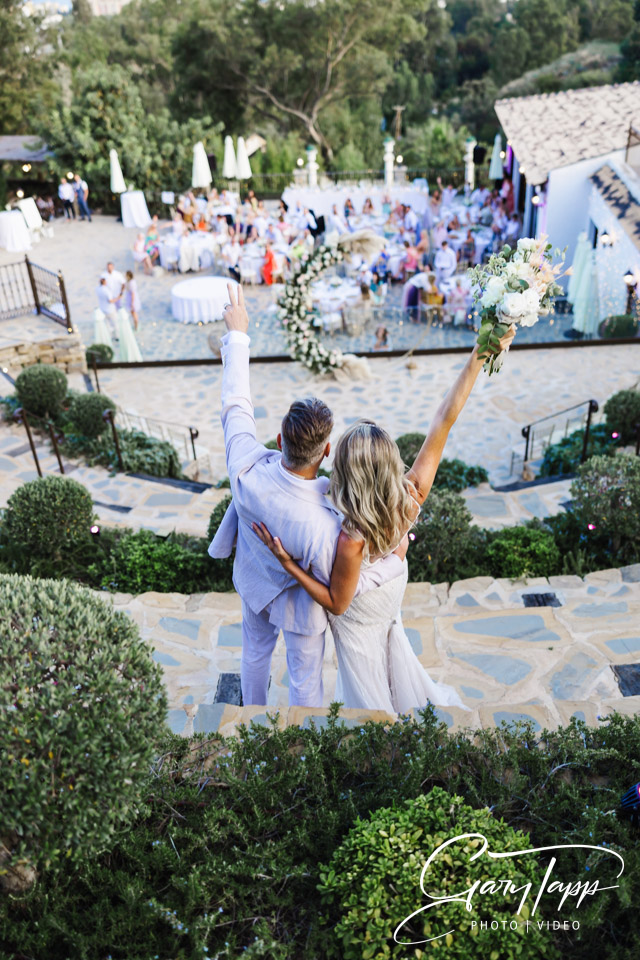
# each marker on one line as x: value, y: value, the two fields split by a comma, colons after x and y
x: 622, y: 413
x: 48, y: 516
x: 234, y: 836
x: 564, y: 456
x: 81, y: 705
x: 41, y: 389
x: 87, y: 411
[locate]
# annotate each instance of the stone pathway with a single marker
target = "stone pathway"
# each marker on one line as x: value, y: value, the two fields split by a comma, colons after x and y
x: 506, y: 661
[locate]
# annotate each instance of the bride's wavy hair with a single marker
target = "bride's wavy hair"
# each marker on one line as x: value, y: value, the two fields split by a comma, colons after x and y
x: 369, y: 487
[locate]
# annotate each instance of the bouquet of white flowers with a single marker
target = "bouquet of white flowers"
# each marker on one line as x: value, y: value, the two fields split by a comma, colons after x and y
x: 515, y: 286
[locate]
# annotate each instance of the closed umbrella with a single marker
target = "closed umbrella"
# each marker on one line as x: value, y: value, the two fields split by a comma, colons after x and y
x: 244, y: 167
x: 496, y: 171
x: 201, y: 174
x: 229, y: 166
x: 586, y: 306
x: 117, y: 180
x: 580, y: 260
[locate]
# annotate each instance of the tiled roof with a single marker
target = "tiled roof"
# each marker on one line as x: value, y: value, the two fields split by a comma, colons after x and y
x: 557, y: 129
x: 23, y: 149
x: 620, y: 200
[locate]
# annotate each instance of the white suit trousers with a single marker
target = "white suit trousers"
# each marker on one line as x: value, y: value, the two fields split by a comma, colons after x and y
x: 304, y: 661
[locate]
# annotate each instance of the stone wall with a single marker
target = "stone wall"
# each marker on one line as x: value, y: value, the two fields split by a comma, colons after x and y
x: 65, y: 351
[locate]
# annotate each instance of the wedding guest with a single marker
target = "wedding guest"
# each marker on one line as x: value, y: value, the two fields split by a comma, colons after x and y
x: 512, y: 230
x: 423, y: 248
x: 367, y: 209
x: 508, y: 196
x: 107, y: 304
x: 410, y: 222
x: 468, y: 249
x: 439, y: 234
x: 335, y: 221
x: 114, y: 281
x: 46, y: 208
x: 231, y: 256
x: 349, y: 210
x: 140, y: 254
x: 269, y: 265
x: 383, y: 341
x: 457, y: 304
x: 445, y: 262
x: 386, y: 205
x: 131, y: 299
x: 410, y: 262
x: 67, y: 195
x: 151, y: 243
x: 201, y: 223
x: 82, y: 192
x: 252, y: 199
x: 432, y: 297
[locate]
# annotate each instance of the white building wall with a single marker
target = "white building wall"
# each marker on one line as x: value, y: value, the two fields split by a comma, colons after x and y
x: 567, y: 201
x: 613, y: 260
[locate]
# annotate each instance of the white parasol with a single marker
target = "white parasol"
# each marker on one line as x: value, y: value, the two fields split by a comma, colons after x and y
x: 244, y: 167
x: 201, y: 174
x: 496, y: 169
x: 117, y: 180
x: 229, y: 166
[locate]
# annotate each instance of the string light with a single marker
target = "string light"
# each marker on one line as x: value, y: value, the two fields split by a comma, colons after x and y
x: 300, y: 162
x: 19, y: 194
x: 399, y: 158
x: 26, y: 167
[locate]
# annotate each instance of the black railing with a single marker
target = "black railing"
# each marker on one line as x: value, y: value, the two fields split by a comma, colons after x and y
x: 529, y: 432
x: 26, y: 286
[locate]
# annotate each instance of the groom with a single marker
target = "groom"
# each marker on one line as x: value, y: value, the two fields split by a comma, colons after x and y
x: 284, y: 489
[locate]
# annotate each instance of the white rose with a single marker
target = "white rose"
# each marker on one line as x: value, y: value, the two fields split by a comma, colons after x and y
x: 520, y: 269
x: 529, y: 320
x: 493, y: 292
x: 527, y: 244
x: 515, y: 306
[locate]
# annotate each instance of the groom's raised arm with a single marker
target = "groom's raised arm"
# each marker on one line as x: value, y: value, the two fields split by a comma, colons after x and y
x: 238, y: 421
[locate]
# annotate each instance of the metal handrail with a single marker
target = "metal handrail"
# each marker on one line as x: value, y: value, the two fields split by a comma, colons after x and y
x: 592, y: 408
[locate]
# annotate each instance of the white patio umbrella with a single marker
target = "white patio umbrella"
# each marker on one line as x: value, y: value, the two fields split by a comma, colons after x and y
x: 495, y: 167
x: 229, y: 165
x: 117, y: 180
x: 586, y: 306
x: 201, y: 173
x: 580, y: 260
x: 244, y: 167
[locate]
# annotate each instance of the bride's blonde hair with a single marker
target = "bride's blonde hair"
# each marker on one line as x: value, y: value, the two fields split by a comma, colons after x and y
x: 368, y: 485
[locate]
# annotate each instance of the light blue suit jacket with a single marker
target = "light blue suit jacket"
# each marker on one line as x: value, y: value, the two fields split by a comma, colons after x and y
x: 297, y: 511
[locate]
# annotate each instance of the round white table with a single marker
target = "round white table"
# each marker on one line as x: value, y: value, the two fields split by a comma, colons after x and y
x: 14, y: 233
x: 201, y: 300
x: 134, y: 209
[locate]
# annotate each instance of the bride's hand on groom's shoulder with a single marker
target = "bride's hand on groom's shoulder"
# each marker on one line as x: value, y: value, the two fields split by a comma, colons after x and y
x: 235, y: 314
x: 273, y: 543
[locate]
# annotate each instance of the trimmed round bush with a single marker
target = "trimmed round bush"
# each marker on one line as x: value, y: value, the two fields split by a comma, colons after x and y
x: 447, y: 546
x: 622, y: 413
x: 102, y: 352
x: 372, y: 884
x: 48, y: 516
x: 523, y: 552
x: 618, y: 327
x: 86, y: 413
x: 81, y: 706
x: 409, y: 446
x: 606, y: 506
x: 41, y: 389
x: 451, y: 474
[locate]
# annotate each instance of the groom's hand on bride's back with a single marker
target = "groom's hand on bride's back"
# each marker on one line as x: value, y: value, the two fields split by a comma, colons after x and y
x: 235, y: 314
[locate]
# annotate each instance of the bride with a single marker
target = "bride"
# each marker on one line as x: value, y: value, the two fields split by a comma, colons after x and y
x: 377, y: 668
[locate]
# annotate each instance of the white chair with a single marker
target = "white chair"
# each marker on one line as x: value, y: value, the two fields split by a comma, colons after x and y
x: 249, y: 270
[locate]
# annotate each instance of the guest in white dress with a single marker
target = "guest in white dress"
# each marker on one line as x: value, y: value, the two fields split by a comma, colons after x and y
x: 131, y: 298
x: 107, y: 305
x: 377, y: 667
x: 445, y: 262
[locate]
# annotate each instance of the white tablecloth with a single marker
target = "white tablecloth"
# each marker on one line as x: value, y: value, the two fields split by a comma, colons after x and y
x: 14, y: 235
x: 333, y: 297
x: 30, y: 213
x: 194, y: 252
x: 134, y: 209
x: 200, y: 300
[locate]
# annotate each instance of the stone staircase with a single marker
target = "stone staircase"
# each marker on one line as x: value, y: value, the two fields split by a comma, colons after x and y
x: 508, y: 657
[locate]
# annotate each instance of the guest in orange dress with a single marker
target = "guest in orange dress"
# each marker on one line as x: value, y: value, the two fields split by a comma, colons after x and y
x: 268, y: 265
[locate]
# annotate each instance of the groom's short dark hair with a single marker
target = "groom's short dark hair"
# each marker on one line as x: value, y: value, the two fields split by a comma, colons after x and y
x: 306, y: 429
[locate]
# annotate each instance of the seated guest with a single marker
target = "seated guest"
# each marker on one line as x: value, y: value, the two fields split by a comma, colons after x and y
x: 252, y: 200
x: 432, y: 297
x: 46, y: 208
x: 386, y: 205
x: 435, y: 204
x: 336, y: 222
x: 479, y: 196
x: 410, y: 222
x: 410, y: 262
x: 231, y: 256
x: 454, y: 223
x: 445, y: 262
x: 221, y: 226
x: 383, y: 341
x: 499, y: 224
x: 140, y: 254
x: 151, y: 242
x: 349, y: 209
x: 468, y: 249
x: 423, y: 248
x: 439, y: 234
x: 283, y: 208
x: 512, y: 230
x: 308, y: 240
x: 269, y: 265
x: 367, y: 209
x: 377, y: 287
x: 457, y: 304
x: 201, y: 223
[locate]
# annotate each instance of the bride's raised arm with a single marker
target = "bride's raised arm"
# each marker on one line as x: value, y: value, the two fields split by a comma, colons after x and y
x: 423, y: 471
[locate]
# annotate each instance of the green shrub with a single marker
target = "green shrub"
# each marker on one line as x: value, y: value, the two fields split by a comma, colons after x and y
x: 48, y: 516
x: 523, y: 552
x: 41, y: 389
x: 101, y: 351
x: 226, y: 853
x: 372, y: 884
x: 141, y: 561
x: 451, y: 475
x: 618, y: 327
x: 564, y: 457
x: 446, y: 545
x: 606, y: 505
x: 217, y: 514
x: 86, y: 413
x: 140, y: 453
x: 622, y: 413
x: 81, y: 705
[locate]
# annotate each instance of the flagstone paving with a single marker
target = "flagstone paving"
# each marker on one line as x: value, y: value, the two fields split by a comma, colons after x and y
x: 506, y: 661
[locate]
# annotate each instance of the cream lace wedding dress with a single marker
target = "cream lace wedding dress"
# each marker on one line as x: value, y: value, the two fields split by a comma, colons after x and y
x: 377, y: 668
